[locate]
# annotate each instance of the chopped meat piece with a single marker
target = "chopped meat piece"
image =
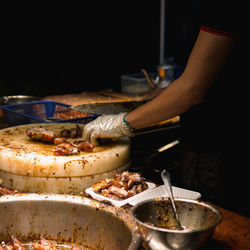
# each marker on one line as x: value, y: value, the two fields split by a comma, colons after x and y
x: 44, y: 244
x: 122, y: 186
x: 74, y: 247
x: 59, y: 140
x: 6, y: 191
x: 5, y: 246
x: 16, y: 244
x: 65, y: 133
x: 118, y: 191
x: 41, y: 134
x: 66, y: 148
x: 71, y: 133
x: 106, y: 193
x: 76, y: 132
x: 101, y: 185
x: 84, y: 146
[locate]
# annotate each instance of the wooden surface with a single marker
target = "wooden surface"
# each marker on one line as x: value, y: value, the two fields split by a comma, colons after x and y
x: 233, y: 232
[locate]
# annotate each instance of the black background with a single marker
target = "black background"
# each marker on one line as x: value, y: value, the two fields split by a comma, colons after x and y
x: 59, y: 48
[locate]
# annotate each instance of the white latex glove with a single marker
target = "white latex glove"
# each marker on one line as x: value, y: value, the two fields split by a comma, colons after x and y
x: 107, y: 126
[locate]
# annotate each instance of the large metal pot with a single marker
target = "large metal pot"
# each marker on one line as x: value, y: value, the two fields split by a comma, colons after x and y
x: 156, y: 217
x: 67, y: 219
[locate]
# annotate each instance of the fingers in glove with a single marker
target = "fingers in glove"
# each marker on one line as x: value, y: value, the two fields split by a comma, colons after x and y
x: 87, y: 131
x: 94, y: 138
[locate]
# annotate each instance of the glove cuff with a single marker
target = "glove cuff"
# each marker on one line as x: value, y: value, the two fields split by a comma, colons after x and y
x: 127, y: 128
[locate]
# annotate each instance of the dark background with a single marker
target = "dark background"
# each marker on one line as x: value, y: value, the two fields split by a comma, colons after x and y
x: 59, y: 48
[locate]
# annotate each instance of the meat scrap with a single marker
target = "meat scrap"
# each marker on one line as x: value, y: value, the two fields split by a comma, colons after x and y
x: 16, y: 243
x: 45, y: 135
x: 66, y: 148
x: 63, y: 147
x: 6, y: 191
x: 122, y: 186
x: 41, y: 134
x: 71, y: 133
x: 44, y: 244
x: 84, y: 146
x: 41, y: 244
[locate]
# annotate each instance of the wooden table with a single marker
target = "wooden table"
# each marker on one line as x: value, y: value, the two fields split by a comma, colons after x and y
x: 232, y: 233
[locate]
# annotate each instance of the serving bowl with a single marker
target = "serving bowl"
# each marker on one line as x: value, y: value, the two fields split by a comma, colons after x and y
x: 66, y: 219
x: 157, y: 223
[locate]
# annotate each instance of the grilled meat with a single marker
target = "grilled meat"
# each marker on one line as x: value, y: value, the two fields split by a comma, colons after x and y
x: 63, y: 147
x: 84, y: 146
x: 59, y: 140
x: 16, y: 243
x: 41, y: 134
x: 44, y: 244
x: 71, y: 133
x: 101, y: 185
x: 122, y: 193
x: 122, y: 186
x: 6, y: 191
x: 66, y: 148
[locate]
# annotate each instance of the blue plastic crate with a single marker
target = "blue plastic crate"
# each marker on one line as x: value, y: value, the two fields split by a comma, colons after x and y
x: 43, y: 112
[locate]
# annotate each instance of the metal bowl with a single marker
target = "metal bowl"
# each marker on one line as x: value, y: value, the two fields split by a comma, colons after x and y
x: 4, y: 100
x: 155, y: 219
x: 66, y: 219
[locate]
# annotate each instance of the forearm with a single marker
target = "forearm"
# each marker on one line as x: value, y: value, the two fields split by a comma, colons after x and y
x: 174, y: 100
x: 204, y: 64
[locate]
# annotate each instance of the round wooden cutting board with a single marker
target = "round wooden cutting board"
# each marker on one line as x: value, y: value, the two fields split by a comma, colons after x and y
x: 29, y: 165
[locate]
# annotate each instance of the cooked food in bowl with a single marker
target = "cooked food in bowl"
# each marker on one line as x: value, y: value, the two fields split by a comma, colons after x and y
x: 158, y: 225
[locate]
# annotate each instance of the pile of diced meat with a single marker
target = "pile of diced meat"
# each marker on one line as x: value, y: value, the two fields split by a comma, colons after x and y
x: 122, y: 186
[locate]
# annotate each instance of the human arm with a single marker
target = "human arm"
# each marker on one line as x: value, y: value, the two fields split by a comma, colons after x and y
x: 206, y: 60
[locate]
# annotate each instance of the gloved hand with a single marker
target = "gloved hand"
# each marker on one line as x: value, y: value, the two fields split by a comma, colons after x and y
x: 107, y: 126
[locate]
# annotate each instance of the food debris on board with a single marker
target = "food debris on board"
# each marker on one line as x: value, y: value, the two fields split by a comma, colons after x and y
x: 63, y: 147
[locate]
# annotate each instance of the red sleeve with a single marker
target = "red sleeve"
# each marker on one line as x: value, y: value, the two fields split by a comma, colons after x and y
x: 217, y: 31
x: 219, y: 17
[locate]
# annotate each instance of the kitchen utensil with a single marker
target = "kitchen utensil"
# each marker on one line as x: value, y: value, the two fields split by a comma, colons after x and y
x: 167, y: 183
x: 162, y: 149
x: 66, y: 219
x: 200, y: 217
x: 150, y: 82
